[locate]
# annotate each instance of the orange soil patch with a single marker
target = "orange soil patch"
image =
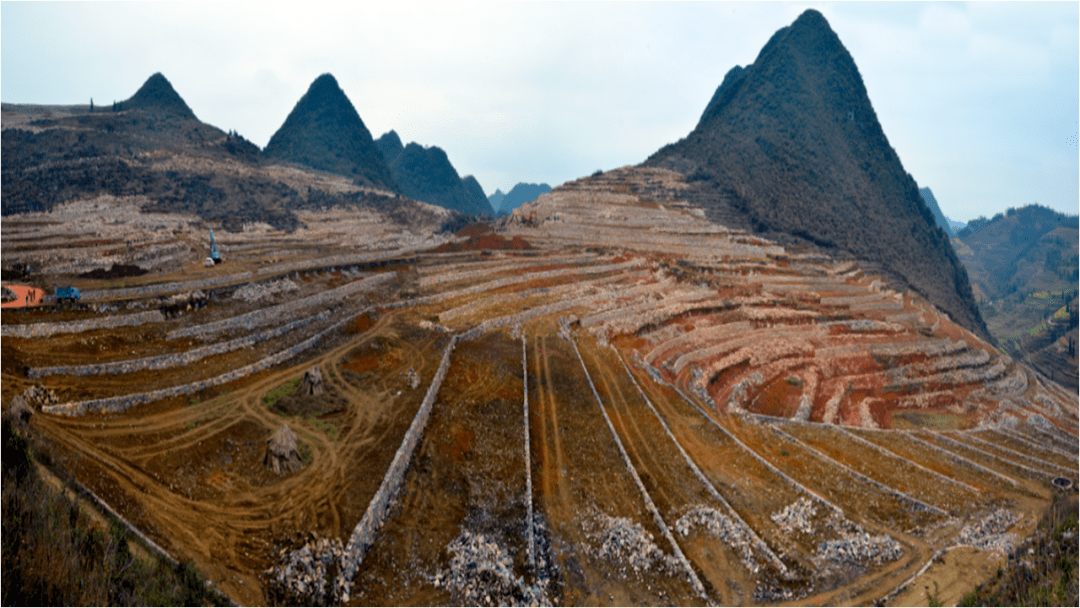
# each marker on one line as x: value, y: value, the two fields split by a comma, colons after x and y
x: 362, y: 364
x: 780, y: 398
x: 488, y: 241
x: 462, y: 444
x: 475, y: 229
x: 360, y: 324
x: 25, y: 296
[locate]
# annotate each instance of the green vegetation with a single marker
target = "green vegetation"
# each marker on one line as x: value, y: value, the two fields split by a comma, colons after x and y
x: 932, y: 600
x: 328, y: 428
x: 54, y: 554
x: 271, y: 398
x: 1043, y: 570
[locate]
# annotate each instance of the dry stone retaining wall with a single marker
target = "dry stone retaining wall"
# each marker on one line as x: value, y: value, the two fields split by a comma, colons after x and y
x: 743, y: 527
x: 173, y: 359
x: 877, y: 484
x: 529, y: 533
x: 432, y: 278
x: 757, y: 456
x: 272, y: 314
x: 115, y: 405
x: 363, y: 536
x: 338, y: 260
x: 657, y: 519
x: 159, y: 288
x: 44, y: 330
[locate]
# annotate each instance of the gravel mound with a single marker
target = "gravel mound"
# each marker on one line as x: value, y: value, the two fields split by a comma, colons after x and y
x: 859, y: 549
x: 626, y: 544
x: 257, y: 292
x: 482, y: 574
x: 796, y: 516
x: 310, y: 575
x: 720, y: 526
x: 989, y: 534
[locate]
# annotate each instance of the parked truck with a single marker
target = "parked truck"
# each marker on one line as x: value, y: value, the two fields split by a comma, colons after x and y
x: 67, y: 294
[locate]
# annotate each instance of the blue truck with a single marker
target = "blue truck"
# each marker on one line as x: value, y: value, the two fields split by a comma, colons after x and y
x: 67, y: 294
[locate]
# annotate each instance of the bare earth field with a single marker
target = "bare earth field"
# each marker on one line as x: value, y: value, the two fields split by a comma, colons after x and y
x: 643, y: 408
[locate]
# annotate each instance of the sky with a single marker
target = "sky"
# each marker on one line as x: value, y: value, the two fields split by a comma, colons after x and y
x: 980, y: 100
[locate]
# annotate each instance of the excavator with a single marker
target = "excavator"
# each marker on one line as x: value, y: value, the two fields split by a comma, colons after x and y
x: 215, y: 256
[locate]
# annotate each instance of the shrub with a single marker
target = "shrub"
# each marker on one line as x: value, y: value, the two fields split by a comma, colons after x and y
x: 54, y: 554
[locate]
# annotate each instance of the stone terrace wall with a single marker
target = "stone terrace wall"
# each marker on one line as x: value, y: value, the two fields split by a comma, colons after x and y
x: 338, y: 260
x: 474, y: 272
x: 172, y: 359
x: 159, y: 288
x: 44, y: 330
x: 272, y: 314
x: 363, y: 536
x: 115, y: 405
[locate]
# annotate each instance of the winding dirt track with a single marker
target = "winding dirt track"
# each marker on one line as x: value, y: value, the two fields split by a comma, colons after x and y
x: 236, y: 527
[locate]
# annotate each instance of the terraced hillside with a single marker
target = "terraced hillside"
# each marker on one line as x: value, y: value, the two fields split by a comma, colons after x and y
x: 645, y: 407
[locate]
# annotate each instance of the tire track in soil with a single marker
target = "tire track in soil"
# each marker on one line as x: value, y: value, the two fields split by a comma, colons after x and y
x: 589, y: 479
x: 727, y: 578
x: 686, y: 424
x: 551, y: 456
x: 467, y: 474
x: 230, y: 536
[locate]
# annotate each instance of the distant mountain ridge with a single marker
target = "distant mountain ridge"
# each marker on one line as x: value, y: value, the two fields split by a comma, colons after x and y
x: 1032, y: 248
x: 932, y: 204
x: 791, y: 146
x: 325, y: 132
x: 1024, y: 266
x: 955, y: 225
x: 426, y: 174
x: 72, y: 154
x: 520, y: 194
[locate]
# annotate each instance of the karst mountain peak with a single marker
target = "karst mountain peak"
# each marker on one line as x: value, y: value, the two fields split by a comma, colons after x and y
x: 157, y: 93
x: 791, y: 145
x: 325, y: 132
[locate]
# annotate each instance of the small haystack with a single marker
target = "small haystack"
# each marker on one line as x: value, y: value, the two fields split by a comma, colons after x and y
x: 312, y: 384
x: 281, y: 454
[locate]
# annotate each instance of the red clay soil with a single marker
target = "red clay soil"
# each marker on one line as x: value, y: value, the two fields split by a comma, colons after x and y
x: 25, y: 296
x: 481, y: 237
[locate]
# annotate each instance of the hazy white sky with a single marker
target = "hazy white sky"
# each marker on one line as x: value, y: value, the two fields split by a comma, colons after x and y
x: 980, y: 100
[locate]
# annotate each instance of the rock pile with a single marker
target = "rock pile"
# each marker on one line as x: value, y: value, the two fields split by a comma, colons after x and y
x: 626, y: 544
x: 311, y: 575
x: 768, y: 593
x: 989, y: 534
x: 858, y: 549
x: 257, y: 292
x: 796, y: 516
x: 482, y: 574
x: 39, y: 396
x: 720, y: 526
x: 412, y: 378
